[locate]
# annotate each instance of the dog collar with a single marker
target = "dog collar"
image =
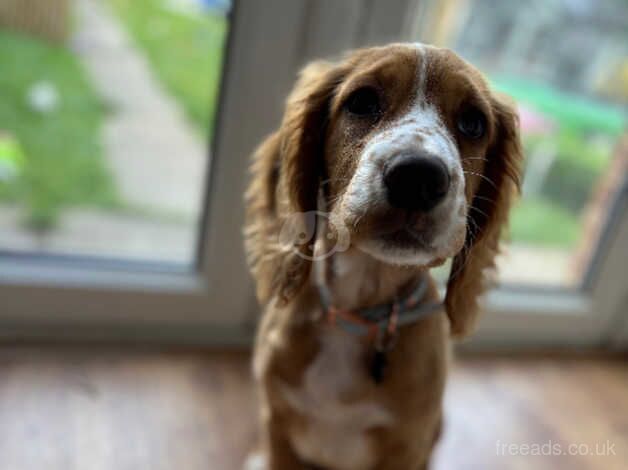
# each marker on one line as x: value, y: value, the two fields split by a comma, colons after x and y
x: 381, y: 322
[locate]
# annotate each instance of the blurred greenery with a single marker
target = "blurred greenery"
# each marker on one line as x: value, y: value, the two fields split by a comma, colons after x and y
x: 61, y: 146
x: 581, y: 143
x: 572, y: 111
x: 185, y: 51
x: 63, y: 155
x: 541, y: 222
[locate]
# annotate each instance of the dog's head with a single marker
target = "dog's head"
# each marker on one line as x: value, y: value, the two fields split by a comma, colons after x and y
x: 417, y: 160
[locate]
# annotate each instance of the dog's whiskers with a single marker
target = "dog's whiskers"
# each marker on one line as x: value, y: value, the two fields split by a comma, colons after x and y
x: 486, y: 178
x: 484, y: 198
x: 480, y: 211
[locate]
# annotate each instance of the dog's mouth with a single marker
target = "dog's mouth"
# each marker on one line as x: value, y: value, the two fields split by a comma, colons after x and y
x: 407, y: 230
x: 401, y: 239
x: 408, y: 237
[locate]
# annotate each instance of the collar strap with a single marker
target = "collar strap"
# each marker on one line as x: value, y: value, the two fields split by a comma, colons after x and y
x: 380, y: 322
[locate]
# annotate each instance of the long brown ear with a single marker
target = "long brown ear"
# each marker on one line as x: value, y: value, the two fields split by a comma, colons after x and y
x: 301, y: 167
x: 492, y: 201
x: 302, y: 133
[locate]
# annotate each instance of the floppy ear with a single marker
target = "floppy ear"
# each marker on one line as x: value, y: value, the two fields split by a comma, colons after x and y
x: 302, y: 134
x: 492, y: 201
x: 301, y: 168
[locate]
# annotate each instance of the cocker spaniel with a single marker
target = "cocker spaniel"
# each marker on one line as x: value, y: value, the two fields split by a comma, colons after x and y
x: 386, y: 164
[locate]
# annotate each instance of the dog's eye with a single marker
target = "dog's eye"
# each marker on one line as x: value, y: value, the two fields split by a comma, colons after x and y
x: 472, y: 123
x: 363, y: 102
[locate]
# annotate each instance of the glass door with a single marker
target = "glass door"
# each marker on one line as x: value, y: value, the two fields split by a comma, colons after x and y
x: 126, y: 128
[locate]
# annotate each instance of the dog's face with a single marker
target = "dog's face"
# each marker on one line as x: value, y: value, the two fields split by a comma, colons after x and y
x: 406, y: 142
x: 416, y: 158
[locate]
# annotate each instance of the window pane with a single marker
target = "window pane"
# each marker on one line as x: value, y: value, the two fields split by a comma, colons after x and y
x: 106, y: 111
x: 566, y: 64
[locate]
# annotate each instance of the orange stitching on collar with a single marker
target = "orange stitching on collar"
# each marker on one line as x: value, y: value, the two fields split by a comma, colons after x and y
x: 333, y: 313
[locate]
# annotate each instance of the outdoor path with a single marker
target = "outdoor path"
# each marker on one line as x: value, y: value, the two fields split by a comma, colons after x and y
x: 157, y: 159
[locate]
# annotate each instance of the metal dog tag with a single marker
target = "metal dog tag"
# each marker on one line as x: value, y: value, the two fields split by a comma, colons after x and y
x: 379, y: 361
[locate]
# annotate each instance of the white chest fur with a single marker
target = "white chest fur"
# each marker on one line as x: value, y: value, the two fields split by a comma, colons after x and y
x: 334, y: 433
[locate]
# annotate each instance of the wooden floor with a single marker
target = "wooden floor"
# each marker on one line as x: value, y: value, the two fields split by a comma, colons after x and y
x: 107, y: 409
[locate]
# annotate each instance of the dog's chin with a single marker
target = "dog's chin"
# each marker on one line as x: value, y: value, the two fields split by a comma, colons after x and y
x: 407, y: 248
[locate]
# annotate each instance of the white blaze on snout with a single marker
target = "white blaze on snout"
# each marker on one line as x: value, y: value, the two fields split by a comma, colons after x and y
x: 420, y: 130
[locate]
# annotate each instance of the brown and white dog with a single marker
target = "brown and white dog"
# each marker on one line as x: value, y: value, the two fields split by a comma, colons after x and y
x: 411, y: 160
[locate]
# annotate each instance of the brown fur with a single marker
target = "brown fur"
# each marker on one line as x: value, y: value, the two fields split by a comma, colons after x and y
x: 315, y: 147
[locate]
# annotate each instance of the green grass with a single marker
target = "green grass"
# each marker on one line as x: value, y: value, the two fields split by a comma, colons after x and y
x: 63, y: 155
x: 185, y: 51
x: 538, y: 221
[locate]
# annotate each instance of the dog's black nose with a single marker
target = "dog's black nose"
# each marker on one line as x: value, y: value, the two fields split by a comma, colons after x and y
x: 416, y: 182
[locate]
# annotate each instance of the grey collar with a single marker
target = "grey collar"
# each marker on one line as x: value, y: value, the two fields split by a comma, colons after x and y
x: 382, y: 320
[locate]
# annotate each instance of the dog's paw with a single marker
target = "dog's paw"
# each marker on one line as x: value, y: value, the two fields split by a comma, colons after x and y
x: 255, y: 461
